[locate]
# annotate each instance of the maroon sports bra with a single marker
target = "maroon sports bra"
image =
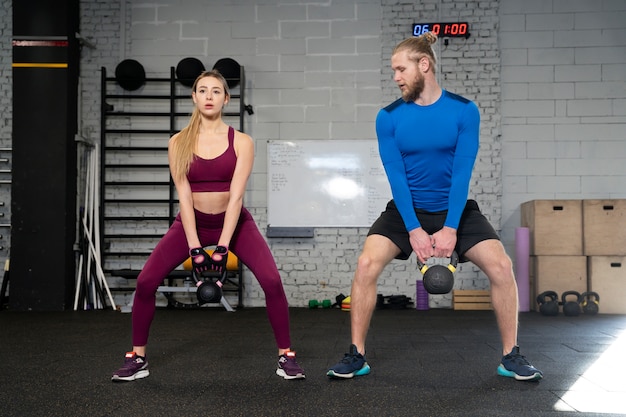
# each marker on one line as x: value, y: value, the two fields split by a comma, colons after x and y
x: 214, y: 175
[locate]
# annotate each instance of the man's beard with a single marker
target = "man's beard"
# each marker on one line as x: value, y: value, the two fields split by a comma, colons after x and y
x: 414, y: 90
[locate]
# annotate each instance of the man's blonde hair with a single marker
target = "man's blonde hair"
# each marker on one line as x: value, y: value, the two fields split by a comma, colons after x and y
x: 419, y: 47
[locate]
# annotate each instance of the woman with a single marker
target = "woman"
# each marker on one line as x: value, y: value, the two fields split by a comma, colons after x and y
x: 210, y: 163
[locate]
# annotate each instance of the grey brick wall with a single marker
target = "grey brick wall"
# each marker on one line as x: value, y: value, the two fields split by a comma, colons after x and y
x: 312, y: 71
x: 548, y: 77
x: 563, y: 102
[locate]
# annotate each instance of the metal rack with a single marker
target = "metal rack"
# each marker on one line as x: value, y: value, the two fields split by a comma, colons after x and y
x: 5, y: 223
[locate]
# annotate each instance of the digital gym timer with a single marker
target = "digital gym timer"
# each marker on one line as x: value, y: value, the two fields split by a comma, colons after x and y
x: 443, y: 30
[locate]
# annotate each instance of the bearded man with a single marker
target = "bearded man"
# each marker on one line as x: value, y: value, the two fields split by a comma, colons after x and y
x: 428, y: 142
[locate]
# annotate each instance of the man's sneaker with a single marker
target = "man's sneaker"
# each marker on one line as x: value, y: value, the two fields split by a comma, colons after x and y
x: 353, y: 364
x: 288, y: 368
x: 514, y: 365
x: 135, y: 367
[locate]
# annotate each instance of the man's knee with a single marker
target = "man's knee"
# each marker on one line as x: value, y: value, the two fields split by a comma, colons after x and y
x: 367, y: 270
x: 504, y: 264
x: 501, y: 270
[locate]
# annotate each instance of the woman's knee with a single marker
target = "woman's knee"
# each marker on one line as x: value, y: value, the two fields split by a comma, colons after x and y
x: 146, y: 287
x: 274, y: 292
x: 271, y: 283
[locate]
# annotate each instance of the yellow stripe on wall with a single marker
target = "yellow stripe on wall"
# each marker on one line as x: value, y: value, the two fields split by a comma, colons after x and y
x: 38, y: 65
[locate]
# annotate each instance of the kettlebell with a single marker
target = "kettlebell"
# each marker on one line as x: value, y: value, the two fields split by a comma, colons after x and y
x: 439, y: 279
x: 590, y: 302
x: 548, y: 303
x: 209, y: 290
x: 571, y: 308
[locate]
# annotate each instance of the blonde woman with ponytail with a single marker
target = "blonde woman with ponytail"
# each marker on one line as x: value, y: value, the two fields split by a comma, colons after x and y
x: 210, y: 163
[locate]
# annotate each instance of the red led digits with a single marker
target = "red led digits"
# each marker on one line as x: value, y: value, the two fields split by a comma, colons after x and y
x: 445, y: 30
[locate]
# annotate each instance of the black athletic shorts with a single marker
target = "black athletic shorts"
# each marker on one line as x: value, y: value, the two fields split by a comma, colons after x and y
x: 473, y: 228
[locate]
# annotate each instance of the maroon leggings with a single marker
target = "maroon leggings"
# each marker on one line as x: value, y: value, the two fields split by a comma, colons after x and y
x: 249, y: 246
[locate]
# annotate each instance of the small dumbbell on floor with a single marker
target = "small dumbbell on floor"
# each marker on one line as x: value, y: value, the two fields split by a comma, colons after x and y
x: 323, y: 304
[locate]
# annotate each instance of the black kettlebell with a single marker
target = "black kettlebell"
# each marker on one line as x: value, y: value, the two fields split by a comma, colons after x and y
x: 439, y: 279
x: 590, y: 302
x: 548, y: 303
x: 209, y: 286
x: 209, y: 292
x: 571, y: 308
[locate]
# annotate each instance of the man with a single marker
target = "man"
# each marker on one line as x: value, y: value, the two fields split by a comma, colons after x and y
x: 428, y: 143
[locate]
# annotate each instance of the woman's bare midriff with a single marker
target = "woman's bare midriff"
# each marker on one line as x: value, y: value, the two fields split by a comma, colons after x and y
x: 211, y: 202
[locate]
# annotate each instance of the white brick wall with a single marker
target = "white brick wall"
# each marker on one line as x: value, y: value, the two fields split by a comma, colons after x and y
x: 313, y: 72
x: 563, y: 88
x: 548, y: 76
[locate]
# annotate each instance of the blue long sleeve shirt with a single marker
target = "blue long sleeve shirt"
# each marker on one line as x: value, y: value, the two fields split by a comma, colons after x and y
x: 428, y: 153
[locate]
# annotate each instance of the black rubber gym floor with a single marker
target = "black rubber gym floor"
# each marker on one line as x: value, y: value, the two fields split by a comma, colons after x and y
x: 210, y: 362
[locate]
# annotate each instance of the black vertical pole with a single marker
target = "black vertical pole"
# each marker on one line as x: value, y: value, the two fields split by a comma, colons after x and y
x: 43, y: 190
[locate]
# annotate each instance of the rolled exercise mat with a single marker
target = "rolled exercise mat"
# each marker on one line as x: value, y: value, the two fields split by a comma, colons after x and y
x: 522, y: 264
x: 421, y: 296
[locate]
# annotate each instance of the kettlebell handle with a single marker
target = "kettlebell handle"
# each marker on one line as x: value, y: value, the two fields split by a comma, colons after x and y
x: 454, y: 261
x: 542, y: 298
x: 199, y: 280
x: 571, y: 292
x: 207, y: 289
x: 585, y: 296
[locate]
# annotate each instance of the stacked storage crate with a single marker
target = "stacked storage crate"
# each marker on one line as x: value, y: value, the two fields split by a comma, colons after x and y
x: 604, y: 244
x: 578, y: 245
x: 557, y: 262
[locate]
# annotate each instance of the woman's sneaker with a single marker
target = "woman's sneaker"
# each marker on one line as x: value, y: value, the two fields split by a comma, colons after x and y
x: 514, y: 365
x: 288, y: 368
x: 135, y: 367
x: 353, y: 364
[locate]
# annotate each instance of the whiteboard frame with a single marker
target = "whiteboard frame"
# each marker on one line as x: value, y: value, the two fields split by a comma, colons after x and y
x: 299, y: 174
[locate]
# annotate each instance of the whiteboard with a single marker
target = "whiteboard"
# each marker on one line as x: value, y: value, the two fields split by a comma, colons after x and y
x: 325, y: 183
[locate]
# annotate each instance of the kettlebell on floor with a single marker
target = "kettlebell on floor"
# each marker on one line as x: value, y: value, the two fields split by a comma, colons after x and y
x: 548, y: 303
x: 571, y: 308
x: 590, y: 302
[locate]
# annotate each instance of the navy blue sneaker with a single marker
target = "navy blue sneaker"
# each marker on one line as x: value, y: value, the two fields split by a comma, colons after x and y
x: 353, y: 364
x: 514, y: 365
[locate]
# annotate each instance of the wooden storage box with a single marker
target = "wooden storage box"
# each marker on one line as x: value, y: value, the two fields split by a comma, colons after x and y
x: 556, y: 226
x: 604, y: 227
x: 607, y: 277
x: 556, y: 273
x: 471, y: 300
